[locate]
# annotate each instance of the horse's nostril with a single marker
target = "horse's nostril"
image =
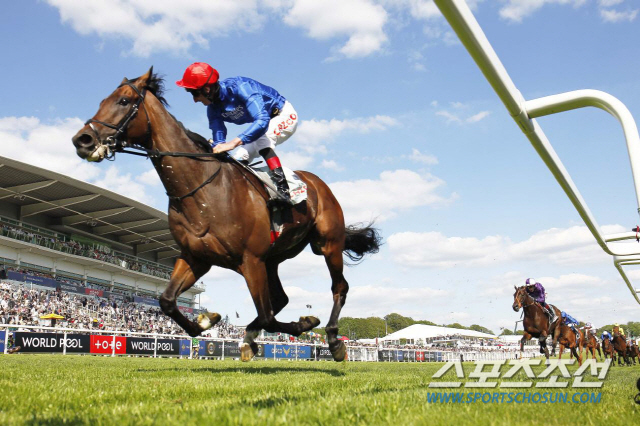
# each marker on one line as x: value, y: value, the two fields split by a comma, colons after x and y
x: 83, y: 140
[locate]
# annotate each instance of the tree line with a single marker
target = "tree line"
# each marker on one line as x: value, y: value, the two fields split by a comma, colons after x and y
x: 373, y: 327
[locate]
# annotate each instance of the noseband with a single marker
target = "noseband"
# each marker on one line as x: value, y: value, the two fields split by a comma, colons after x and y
x: 115, y: 142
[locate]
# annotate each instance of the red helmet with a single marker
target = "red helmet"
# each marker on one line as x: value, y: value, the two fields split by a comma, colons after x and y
x: 198, y: 75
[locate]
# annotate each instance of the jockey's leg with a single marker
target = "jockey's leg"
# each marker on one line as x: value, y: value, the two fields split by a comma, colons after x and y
x: 276, y: 172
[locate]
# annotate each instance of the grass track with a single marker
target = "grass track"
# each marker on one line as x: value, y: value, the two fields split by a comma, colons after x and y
x: 54, y: 389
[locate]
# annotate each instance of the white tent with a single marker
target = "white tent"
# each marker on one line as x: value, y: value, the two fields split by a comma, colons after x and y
x: 422, y: 331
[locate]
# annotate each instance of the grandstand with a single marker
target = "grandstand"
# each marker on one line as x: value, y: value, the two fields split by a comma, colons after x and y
x: 58, y: 231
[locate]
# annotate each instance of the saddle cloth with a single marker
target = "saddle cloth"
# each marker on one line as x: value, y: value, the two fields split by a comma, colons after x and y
x: 297, y: 191
x: 297, y: 188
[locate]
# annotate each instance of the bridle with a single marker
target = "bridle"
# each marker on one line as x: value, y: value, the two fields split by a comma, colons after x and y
x: 115, y: 142
x: 518, y: 297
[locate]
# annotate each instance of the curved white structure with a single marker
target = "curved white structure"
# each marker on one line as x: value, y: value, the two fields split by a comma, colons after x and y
x: 524, y: 113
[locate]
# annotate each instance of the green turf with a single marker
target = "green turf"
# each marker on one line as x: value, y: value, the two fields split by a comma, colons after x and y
x: 54, y: 389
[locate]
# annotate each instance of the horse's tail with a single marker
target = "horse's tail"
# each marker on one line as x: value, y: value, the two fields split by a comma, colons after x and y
x: 360, y: 240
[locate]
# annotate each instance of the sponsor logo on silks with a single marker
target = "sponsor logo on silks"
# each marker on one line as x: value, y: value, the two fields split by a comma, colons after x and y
x: 479, y: 378
x: 234, y: 114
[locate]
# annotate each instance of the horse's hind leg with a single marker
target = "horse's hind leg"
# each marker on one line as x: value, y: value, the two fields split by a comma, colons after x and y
x: 332, y: 252
x: 255, y: 273
x: 183, y: 277
x: 279, y: 300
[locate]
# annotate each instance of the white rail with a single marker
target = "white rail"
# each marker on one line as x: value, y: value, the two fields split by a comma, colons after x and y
x: 524, y: 113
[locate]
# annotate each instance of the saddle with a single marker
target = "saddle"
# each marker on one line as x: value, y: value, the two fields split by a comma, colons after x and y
x: 278, y: 210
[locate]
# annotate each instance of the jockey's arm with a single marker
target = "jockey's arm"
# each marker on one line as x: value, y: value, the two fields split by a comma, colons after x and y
x: 227, y: 146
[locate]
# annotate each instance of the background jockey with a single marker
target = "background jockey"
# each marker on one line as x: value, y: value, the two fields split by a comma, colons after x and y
x: 619, y: 329
x: 605, y: 336
x: 536, y: 290
x: 241, y: 100
x: 589, y: 328
x: 570, y: 321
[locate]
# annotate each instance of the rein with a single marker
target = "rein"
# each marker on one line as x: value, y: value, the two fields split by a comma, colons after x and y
x: 115, y: 143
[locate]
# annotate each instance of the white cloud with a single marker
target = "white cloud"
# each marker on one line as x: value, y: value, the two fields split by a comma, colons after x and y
x: 160, y: 25
x: 331, y: 165
x: 150, y: 177
x: 457, y: 118
x: 49, y: 146
x: 609, y: 3
x: 516, y: 10
x: 616, y: 16
x: 312, y: 134
x: 395, y: 191
x: 573, y: 246
x: 477, y: 117
x: 418, y: 157
x: 361, y: 21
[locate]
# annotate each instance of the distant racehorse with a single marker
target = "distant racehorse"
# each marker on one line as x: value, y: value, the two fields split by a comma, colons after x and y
x: 633, y: 353
x: 590, y: 343
x: 607, y: 349
x: 620, y: 347
x: 535, y: 322
x: 219, y: 213
x: 568, y: 339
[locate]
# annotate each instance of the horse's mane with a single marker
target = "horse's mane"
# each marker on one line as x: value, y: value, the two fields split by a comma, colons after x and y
x: 155, y: 85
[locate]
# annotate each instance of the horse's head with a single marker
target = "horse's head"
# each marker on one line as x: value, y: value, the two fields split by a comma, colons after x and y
x: 119, y: 120
x: 519, y: 298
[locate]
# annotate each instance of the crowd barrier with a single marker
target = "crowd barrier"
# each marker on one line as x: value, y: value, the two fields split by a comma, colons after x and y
x: 39, y: 339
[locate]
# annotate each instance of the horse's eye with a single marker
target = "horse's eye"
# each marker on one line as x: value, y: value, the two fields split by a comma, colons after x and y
x: 123, y: 102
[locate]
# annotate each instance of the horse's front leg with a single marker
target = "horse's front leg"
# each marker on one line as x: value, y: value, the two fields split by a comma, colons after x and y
x: 182, y: 278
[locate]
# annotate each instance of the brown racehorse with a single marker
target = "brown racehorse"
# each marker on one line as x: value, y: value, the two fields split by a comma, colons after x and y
x: 590, y: 343
x: 219, y: 213
x: 633, y: 352
x: 535, y: 322
x: 620, y: 346
x: 607, y: 349
x: 568, y: 339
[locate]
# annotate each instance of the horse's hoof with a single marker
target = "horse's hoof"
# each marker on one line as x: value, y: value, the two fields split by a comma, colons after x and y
x: 339, y: 353
x: 309, y: 322
x: 246, y: 353
x: 208, y: 320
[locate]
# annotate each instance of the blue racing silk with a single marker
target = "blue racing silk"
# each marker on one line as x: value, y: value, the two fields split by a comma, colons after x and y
x: 242, y: 101
x: 569, y: 318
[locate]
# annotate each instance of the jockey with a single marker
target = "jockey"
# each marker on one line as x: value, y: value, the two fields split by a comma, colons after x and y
x: 536, y: 291
x: 241, y: 100
x: 605, y: 336
x: 589, y: 328
x: 570, y: 321
x: 620, y: 329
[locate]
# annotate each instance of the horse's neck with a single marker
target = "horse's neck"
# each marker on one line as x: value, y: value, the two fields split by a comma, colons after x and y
x: 179, y: 175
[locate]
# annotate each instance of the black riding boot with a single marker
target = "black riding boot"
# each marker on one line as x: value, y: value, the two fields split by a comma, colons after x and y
x: 280, y: 180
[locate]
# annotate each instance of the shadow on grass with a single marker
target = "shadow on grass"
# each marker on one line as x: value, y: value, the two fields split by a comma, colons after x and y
x: 265, y: 370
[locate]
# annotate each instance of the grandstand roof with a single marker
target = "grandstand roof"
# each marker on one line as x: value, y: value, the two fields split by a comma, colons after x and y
x: 74, y: 207
x: 422, y: 331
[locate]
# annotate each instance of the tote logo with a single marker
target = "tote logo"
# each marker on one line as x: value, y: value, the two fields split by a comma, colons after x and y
x: 556, y: 374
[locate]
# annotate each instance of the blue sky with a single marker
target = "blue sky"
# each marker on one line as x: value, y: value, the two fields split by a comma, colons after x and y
x: 396, y: 117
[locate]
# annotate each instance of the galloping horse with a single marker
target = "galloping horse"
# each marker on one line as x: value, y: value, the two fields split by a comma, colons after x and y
x: 590, y: 343
x: 607, y: 349
x: 567, y: 338
x: 633, y: 353
x: 620, y: 346
x: 535, y: 323
x: 219, y: 213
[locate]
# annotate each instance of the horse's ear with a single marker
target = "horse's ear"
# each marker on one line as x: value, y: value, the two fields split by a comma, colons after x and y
x: 514, y: 287
x: 124, y: 80
x: 144, y: 79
